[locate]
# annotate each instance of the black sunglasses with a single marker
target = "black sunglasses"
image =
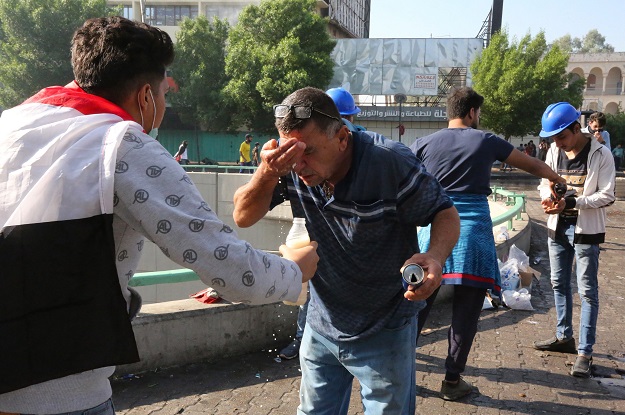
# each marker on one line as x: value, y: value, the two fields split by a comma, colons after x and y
x: 300, y: 112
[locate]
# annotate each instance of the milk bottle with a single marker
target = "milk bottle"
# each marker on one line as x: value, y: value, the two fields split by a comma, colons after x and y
x: 298, y: 238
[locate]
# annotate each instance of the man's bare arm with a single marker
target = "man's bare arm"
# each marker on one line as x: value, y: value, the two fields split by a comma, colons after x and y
x: 444, y: 234
x: 533, y: 165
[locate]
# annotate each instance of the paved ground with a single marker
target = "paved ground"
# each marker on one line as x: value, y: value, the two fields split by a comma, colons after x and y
x: 512, y: 377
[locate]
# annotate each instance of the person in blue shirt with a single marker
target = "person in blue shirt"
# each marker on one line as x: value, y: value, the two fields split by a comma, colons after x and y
x: 362, y: 196
x: 617, y: 153
x: 461, y: 157
x: 596, y: 129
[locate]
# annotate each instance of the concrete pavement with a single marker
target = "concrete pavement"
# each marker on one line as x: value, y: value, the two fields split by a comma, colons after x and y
x: 512, y: 377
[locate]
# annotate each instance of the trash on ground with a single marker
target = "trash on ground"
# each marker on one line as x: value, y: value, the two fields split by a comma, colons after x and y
x: 518, y: 300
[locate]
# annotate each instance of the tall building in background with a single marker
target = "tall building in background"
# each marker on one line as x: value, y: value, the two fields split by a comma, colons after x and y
x: 348, y: 18
x: 604, y: 74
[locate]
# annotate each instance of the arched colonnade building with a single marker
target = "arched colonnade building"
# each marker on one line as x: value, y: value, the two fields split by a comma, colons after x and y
x: 605, y: 80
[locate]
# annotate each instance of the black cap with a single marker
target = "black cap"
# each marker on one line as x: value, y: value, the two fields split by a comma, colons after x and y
x: 248, y: 135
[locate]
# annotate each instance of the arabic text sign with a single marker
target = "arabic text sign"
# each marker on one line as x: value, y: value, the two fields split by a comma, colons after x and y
x: 407, y: 113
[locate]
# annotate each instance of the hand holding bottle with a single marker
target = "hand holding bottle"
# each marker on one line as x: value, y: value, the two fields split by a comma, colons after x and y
x: 306, y: 258
x: 298, y: 239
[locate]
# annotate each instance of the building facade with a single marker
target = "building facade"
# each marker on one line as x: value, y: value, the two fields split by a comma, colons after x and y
x: 347, y: 18
x: 604, y: 74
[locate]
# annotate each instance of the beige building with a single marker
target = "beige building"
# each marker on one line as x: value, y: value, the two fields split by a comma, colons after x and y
x: 347, y: 18
x: 605, y: 80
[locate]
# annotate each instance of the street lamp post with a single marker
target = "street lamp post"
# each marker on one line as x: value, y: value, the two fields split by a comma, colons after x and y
x: 401, y: 98
x: 142, y: 7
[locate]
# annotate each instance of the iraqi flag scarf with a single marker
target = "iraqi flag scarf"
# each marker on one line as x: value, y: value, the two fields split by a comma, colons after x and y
x: 61, y: 307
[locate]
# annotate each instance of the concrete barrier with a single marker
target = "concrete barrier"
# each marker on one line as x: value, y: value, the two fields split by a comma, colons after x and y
x: 178, y: 332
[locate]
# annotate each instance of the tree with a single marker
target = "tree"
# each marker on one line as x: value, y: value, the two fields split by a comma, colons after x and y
x: 615, y: 125
x: 35, y: 38
x: 519, y: 80
x: 199, y: 70
x: 275, y: 49
x: 593, y: 42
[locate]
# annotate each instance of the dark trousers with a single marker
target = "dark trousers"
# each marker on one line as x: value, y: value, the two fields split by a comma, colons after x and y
x: 467, y: 305
x: 246, y: 163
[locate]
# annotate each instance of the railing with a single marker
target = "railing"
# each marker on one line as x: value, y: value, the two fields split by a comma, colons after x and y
x: 234, y: 168
x: 516, y: 200
x: 141, y: 279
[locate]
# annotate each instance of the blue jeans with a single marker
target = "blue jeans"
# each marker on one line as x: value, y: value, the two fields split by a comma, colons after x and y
x: 384, y: 364
x: 105, y: 408
x: 562, y: 251
x: 246, y: 163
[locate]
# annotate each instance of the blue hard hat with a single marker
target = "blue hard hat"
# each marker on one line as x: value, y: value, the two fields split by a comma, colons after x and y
x: 557, y: 117
x: 343, y: 100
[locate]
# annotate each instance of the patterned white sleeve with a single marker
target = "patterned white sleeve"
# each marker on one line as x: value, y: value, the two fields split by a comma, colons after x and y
x: 155, y: 196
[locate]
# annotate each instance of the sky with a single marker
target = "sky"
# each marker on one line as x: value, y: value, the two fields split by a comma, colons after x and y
x: 464, y: 18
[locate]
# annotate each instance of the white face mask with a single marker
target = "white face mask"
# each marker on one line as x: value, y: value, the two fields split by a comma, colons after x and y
x: 154, y: 133
x: 154, y: 117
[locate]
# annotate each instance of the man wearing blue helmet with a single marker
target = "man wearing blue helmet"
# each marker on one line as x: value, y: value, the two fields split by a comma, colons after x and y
x: 576, y: 227
x: 344, y: 101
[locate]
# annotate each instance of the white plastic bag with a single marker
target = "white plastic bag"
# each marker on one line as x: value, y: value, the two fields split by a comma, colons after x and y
x: 503, y: 234
x: 523, y: 261
x: 509, y: 273
x: 518, y: 300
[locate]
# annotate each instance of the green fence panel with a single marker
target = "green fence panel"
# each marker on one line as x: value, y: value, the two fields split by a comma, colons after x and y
x: 219, y: 147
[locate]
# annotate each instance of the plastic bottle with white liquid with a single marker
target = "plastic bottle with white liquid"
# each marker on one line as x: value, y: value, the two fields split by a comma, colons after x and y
x: 298, y: 238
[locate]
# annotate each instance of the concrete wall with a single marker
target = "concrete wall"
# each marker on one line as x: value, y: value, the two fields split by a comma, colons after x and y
x: 185, y: 331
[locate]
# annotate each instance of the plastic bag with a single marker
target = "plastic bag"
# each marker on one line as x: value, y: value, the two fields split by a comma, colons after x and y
x: 518, y: 300
x: 489, y: 302
x: 503, y: 234
x: 509, y: 273
x: 522, y: 259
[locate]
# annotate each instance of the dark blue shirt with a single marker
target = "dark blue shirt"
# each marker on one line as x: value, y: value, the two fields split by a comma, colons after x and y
x: 366, y: 232
x: 461, y: 158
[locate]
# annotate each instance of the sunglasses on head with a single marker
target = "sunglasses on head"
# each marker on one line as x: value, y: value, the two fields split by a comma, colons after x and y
x: 300, y: 112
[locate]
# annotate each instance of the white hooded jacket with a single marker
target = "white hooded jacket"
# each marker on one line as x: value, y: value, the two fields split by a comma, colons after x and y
x: 598, y: 193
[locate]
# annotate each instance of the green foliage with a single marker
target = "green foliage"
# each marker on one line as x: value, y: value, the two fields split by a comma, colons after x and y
x: 35, y: 38
x: 615, y: 125
x: 199, y: 70
x: 275, y: 49
x: 519, y: 80
x: 593, y: 42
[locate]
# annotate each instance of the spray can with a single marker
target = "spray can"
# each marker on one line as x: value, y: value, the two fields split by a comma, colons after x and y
x: 298, y: 238
x: 560, y: 190
x: 412, y: 275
